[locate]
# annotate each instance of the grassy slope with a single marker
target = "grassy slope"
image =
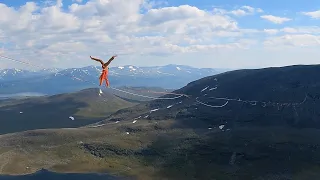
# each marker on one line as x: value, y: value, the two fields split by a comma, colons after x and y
x: 278, y: 87
x: 175, y: 143
x: 54, y: 111
x: 51, y: 148
x: 154, y: 151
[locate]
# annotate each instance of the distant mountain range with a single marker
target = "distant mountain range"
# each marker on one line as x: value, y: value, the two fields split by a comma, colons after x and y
x: 52, y: 81
x: 16, y: 74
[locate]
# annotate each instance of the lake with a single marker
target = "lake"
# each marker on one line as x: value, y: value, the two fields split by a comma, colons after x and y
x: 21, y: 95
x: 48, y: 175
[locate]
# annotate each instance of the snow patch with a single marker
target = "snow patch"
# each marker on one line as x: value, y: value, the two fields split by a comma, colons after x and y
x: 97, y: 69
x: 169, y: 106
x: 205, y: 89
x: 165, y: 73
x: 213, y: 88
x: 121, y: 67
x: 132, y: 68
x: 71, y: 117
x: 178, y: 68
x: 154, y: 110
x: 86, y: 72
x: 97, y: 126
x: 221, y: 126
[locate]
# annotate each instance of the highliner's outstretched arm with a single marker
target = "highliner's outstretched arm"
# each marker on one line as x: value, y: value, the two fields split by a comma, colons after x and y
x: 96, y: 59
x: 109, y: 61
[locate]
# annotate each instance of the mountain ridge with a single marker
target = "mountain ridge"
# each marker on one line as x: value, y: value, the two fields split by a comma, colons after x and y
x: 282, y: 88
x: 73, y: 79
x: 185, y: 139
x: 68, y: 110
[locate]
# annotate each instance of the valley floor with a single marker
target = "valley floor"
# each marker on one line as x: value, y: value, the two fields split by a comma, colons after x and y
x: 155, y: 150
x: 274, y: 138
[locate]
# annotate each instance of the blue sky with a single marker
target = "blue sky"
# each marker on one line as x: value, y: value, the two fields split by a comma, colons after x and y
x: 274, y: 33
x: 269, y: 6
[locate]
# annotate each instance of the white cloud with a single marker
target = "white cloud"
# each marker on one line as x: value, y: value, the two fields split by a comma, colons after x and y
x: 275, y: 19
x: 102, y: 27
x: 59, y: 3
x: 299, y: 40
x: 58, y: 35
x: 1, y: 50
x: 289, y: 30
x: 167, y: 14
x: 313, y: 14
x: 294, y: 30
x: 242, y: 11
x: 239, y: 12
x: 271, y: 31
x: 303, y: 30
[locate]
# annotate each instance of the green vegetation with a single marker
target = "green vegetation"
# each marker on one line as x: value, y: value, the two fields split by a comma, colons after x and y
x: 85, y: 106
x: 172, y: 153
x: 256, y: 143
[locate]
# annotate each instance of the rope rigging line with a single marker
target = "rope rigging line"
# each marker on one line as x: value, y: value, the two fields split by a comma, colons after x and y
x: 146, y: 96
x: 73, y: 77
x: 252, y: 102
x: 156, y: 92
x: 208, y: 105
x: 6, y: 57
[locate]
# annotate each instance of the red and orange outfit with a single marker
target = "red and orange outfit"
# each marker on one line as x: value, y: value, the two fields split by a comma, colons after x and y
x: 105, y: 70
x: 104, y: 76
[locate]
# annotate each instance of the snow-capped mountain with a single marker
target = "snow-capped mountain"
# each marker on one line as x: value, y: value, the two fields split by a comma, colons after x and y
x: 19, y: 74
x: 12, y: 74
x: 72, y: 79
x: 168, y: 70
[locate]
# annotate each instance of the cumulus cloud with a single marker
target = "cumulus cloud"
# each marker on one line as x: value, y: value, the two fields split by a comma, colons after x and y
x: 275, y: 19
x: 103, y: 27
x: 299, y: 40
x: 303, y: 30
x: 313, y: 14
x: 242, y: 11
x: 294, y: 30
x: 140, y: 31
x: 271, y: 31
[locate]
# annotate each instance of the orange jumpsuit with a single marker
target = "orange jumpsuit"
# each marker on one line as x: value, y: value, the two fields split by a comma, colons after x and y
x: 104, y: 76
